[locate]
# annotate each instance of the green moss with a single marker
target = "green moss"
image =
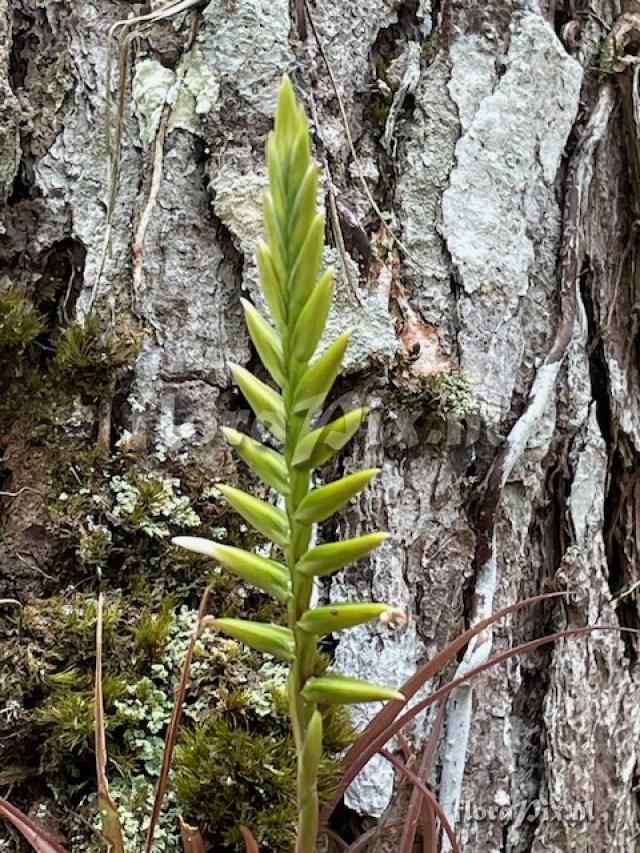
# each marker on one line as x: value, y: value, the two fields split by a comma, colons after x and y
x: 610, y: 54
x: 450, y: 393
x: 240, y: 768
x: 20, y: 323
x: 383, y: 98
x: 88, y: 360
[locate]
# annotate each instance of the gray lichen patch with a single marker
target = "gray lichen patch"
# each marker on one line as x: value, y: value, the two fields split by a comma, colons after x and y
x: 151, y: 85
x: 247, y: 50
x: 10, y: 112
x: 501, y: 190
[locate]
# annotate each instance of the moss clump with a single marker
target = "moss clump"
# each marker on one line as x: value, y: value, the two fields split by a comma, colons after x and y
x: 383, y: 98
x: 88, y: 360
x: 240, y: 768
x: 20, y: 323
x: 450, y: 393
x: 236, y: 705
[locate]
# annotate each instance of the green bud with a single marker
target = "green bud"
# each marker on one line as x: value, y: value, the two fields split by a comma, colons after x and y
x: 271, y: 279
x: 335, y: 689
x: 266, y: 403
x: 329, y: 558
x: 317, y: 381
x: 338, y: 617
x: 313, y: 318
x: 266, y: 518
x: 266, y: 341
x: 261, y: 636
x: 320, y: 445
x: 305, y: 270
x: 324, y: 501
x: 267, y: 575
x: 267, y: 464
x: 311, y: 756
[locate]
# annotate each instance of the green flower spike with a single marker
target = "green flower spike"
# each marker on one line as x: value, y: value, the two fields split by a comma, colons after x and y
x: 299, y: 299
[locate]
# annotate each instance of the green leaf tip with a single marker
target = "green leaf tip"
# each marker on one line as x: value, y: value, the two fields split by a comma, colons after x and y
x: 336, y: 689
x: 287, y: 116
x: 261, y: 636
x: 338, y: 617
x: 323, y: 502
x: 326, y: 559
x: 319, y: 446
x: 269, y: 465
x: 266, y: 518
x: 267, y: 575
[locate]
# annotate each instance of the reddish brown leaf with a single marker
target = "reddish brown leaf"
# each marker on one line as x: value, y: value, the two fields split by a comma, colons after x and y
x: 37, y: 837
x: 111, y: 828
x: 363, y: 842
x: 428, y: 796
x: 250, y: 844
x: 396, y: 725
x: 174, y: 723
x: 192, y: 840
x: 353, y: 761
x: 417, y: 802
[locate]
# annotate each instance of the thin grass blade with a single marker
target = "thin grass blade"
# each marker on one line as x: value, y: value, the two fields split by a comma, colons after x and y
x: 417, y: 804
x: 192, y: 839
x: 419, y: 785
x: 109, y: 818
x: 174, y: 723
x: 37, y: 837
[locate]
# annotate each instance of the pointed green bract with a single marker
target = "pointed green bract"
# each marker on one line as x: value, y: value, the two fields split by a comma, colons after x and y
x: 317, y: 381
x: 266, y: 463
x: 337, y: 617
x: 304, y: 211
x: 270, y: 639
x: 267, y: 519
x: 326, y: 559
x: 272, y: 285
x: 308, y: 776
x: 266, y: 403
x: 267, y: 575
x: 266, y: 341
x: 303, y: 276
x: 312, y: 320
x: 334, y: 689
x: 325, y: 501
x: 320, y: 445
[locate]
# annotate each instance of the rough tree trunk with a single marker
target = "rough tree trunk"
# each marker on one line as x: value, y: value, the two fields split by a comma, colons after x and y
x: 464, y: 115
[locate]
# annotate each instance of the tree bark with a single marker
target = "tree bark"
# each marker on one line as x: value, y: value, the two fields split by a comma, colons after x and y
x: 446, y: 129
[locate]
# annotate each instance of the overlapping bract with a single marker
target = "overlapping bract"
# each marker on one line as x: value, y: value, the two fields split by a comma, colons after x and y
x: 298, y: 298
x: 299, y: 301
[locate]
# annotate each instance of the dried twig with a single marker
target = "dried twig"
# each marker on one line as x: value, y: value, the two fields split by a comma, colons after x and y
x: 111, y: 828
x: 333, y: 209
x: 114, y: 144
x: 174, y: 723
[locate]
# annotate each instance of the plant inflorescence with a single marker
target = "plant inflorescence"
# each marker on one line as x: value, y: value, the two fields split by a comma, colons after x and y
x: 299, y: 302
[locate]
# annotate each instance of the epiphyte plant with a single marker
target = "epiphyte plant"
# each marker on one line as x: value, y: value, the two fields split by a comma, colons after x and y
x: 299, y: 301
